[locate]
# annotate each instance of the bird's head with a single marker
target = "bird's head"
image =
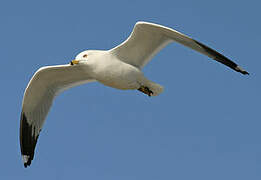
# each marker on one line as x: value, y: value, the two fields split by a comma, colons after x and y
x: 80, y: 58
x: 85, y: 57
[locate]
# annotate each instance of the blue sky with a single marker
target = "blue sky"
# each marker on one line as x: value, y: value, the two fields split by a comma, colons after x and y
x: 206, y: 124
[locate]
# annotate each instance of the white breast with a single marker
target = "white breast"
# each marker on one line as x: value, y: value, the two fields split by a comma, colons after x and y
x: 117, y: 74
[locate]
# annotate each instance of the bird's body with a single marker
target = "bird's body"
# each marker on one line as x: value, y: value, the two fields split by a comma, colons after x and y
x: 119, y: 68
x: 110, y: 71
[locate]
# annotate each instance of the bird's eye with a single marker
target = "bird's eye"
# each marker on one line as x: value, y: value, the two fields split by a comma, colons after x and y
x: 85, y: 55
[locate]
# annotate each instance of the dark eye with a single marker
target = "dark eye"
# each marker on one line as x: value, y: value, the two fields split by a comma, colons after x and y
x: 85, y: 55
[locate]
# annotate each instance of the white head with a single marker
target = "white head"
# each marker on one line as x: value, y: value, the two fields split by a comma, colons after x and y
x: 84, y: 56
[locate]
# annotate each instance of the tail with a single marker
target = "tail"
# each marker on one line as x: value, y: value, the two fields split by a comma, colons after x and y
x: 155, y: 88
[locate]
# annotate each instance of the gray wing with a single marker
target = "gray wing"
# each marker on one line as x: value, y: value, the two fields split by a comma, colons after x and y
x: 46, y: 83
x: 147, y: 39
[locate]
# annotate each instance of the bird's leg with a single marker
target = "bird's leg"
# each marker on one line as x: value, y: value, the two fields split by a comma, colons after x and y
x: 145, y: 90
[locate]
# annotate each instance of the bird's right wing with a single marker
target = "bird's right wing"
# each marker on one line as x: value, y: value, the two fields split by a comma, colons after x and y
x: 147, y: 39
x: 46, y: 83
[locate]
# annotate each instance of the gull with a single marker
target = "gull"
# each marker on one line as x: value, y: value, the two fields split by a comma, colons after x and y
x: 119, y: 67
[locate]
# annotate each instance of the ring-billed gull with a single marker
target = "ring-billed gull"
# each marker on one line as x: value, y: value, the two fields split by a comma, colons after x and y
x: 119, y: 68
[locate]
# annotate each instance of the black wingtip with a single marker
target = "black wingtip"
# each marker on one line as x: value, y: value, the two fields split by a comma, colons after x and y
x: 27, y: 141
x: 26, y: 164
x: 241, y: 70
x: 221, y: 58
x: 245, y: 73
x: 27, y: 161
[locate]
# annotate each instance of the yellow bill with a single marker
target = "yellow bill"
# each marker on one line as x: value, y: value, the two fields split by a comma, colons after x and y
x: 74, y: 62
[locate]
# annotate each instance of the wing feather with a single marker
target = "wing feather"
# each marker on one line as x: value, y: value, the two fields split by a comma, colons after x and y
x: 46, y: 83
x: 147, y: 39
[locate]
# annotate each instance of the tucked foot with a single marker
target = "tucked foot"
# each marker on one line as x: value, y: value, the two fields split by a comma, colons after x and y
x: 145, y: 90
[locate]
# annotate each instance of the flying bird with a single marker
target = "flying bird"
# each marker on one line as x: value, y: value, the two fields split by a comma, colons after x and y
x: 119, y: 67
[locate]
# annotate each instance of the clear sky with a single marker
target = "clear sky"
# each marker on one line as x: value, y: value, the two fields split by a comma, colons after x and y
x: 205, y: 125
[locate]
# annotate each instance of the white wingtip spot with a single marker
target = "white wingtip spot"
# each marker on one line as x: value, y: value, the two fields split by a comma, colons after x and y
x: 239, y: 68
x: 25, y: 158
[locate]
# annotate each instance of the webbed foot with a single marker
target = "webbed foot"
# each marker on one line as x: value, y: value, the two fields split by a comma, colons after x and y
x: 145, y: 90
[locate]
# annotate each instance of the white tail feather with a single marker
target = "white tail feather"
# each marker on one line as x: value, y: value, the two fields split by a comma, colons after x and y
x: 155, y: 88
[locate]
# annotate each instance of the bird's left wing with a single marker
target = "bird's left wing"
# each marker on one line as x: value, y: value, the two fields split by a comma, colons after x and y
x: 46, y: 83
x: 147, y: 39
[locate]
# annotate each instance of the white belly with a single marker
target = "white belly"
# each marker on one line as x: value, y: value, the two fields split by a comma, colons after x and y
x: 118, y: 75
